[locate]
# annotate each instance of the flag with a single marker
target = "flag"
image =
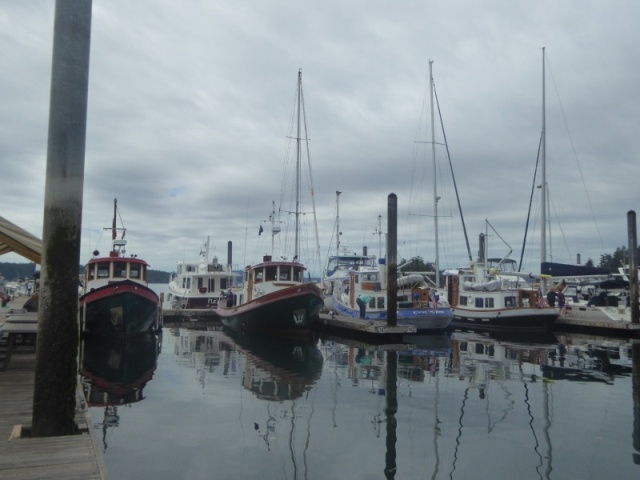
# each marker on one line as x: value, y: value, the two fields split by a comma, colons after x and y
x: 433, y: 297
x: 261, y: 230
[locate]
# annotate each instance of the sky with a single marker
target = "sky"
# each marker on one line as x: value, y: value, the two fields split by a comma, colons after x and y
x: 192, y: 122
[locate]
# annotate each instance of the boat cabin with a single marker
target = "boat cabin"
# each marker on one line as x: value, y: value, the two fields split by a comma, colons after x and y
x: 105, y: 270
x: 269, y: 271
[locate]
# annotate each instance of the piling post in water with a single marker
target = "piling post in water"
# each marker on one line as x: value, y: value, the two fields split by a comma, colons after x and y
x: 392, y: 260
x: 54, y: 398
x: 390, y: 410
x: 633, y: 266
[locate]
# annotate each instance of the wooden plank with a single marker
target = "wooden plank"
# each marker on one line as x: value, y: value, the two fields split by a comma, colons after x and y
x: 365, y: 326
x: 69, y: 457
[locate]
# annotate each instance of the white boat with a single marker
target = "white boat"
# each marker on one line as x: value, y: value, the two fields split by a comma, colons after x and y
x: 491, y: 294
x: 200, y: 284
x: 418, y: 304
x: 274, y: 298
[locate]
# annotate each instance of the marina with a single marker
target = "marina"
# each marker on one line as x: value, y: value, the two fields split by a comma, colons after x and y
x: 298, y: 376
x: 368, y: 371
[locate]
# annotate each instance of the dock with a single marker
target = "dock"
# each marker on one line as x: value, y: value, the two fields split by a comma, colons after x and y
x: 609, y: 321
x: 173, y: 316
x: 369, y: 328
x: 22, y: 457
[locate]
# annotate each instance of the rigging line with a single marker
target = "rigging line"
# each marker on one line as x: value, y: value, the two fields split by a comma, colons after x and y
x: 575, y: 155
x: 533, y: 189
x: 310, y: 173
x: 564, y: 238
x: 453, y: 177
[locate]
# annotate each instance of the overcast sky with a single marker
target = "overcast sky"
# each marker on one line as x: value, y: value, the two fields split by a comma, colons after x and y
x: 191, y: 105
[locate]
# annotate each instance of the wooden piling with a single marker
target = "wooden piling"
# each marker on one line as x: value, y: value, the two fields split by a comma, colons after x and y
x: 54, y: 397
x: 633, y: 266
x: 392, y: 260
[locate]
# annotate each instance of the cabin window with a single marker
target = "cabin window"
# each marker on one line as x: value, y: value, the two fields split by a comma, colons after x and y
x: 298, y: 275
x: 223, y: 284
x: 380, y: 302
x: 463, y: 300
x: 463, y: 346
x: 259, y: 277
x: 212, y: 284
x: 488, y: 302
x: 284, y: 274
x: 120, y: 269
x: 91, y: 272
x: 479, y: 302
x: 199, y: 283
x: 103, y: 269
x: 479, y: 348
x: 272, y: 274
x: 510, y: 302
x: 186, y: 282
x: 134, y: 270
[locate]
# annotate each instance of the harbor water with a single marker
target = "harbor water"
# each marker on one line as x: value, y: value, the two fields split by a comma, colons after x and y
x: 198, y: 402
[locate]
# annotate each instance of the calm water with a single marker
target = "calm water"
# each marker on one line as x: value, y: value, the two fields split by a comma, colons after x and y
x: 205, y: 404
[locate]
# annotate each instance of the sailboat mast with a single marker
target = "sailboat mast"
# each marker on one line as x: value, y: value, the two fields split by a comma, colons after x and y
x: 435, y: 183
x: 338, y: 222
x: 115, y: 214
x: 298, y: 162
x: 543, y: 242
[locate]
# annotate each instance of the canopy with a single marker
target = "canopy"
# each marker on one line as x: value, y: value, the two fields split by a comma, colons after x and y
x: 15, y: 239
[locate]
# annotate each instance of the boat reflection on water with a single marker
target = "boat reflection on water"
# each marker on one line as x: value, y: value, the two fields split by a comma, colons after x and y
x: 115, y: 370
x: 276, y: 368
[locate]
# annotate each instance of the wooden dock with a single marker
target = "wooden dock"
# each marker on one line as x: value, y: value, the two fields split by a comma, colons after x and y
x: 351, y: 325
x: 22, y: 457
x: 172, y: 316
x: 593, y: 320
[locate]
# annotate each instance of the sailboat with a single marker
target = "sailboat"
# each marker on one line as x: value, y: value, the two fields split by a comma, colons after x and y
x: 274, y: 298
x: 493, y: 294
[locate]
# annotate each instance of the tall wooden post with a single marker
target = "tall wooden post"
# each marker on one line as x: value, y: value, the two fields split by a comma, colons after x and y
x: 633, y: 266
x: 58, y: 331
x: 392, y: 260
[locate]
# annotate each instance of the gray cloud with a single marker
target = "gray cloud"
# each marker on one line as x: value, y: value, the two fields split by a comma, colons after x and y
x: 190, y: 106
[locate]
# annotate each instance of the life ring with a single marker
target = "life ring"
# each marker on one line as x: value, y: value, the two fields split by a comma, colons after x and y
x: 202, y: 289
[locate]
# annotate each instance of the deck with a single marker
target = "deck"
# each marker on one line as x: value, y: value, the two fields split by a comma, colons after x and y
x: 22, y: 457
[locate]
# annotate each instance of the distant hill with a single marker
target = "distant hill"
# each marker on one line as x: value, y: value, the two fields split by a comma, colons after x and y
x: 15, y: 271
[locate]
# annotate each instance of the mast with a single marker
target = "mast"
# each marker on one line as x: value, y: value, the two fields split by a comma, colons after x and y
x: 298, y: 162
x: 338, y: 222
x: 435, y: 183
x: 543, y: 241
x: 113, y: 224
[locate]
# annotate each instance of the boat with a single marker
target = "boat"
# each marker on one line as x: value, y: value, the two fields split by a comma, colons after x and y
x: 274, y: 297
x: 117, y: 298
x: 490, y: 293
x: 200, y: 284
x: 338, y: 265
x: 418, y: 303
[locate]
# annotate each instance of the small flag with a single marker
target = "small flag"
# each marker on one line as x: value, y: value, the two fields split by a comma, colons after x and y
x: 261, y: 230
x: 433, y: 297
